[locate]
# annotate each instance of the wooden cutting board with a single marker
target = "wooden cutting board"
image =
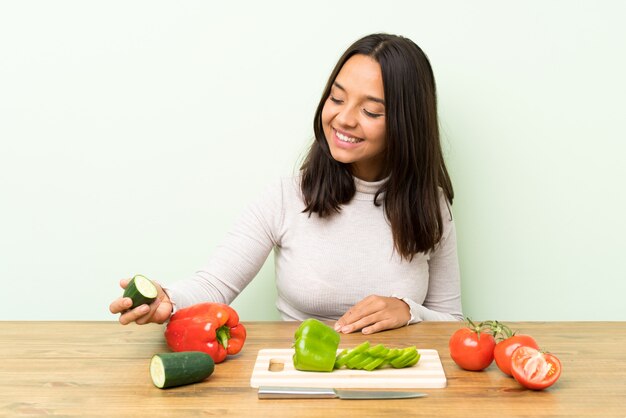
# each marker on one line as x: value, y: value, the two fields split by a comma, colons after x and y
x: 427, y: 373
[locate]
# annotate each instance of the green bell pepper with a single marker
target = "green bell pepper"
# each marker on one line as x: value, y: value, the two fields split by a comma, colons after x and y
x: 315, y: 346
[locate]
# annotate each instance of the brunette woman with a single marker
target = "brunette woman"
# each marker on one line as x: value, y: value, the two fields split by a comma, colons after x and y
x: 363, y: 235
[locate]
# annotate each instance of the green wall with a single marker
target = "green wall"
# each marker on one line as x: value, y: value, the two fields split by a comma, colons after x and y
x: 133, y: 133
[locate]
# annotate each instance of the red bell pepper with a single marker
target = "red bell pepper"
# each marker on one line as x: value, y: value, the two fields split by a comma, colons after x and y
x: 212, y: 328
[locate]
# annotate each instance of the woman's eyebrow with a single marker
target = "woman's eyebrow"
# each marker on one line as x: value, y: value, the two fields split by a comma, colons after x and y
x: 371, y: 98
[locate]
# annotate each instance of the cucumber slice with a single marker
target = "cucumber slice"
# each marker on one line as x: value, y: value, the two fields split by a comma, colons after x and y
x: 176, y: 369
x: 141, y: 290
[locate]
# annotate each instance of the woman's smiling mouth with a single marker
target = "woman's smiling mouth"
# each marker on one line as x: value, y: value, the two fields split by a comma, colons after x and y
x: 346, y: 138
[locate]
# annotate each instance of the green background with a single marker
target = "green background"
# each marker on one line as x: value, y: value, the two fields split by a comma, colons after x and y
x: 134, y: 133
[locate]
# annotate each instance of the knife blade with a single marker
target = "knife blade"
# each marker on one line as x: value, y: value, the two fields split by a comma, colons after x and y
x: 279, y: 392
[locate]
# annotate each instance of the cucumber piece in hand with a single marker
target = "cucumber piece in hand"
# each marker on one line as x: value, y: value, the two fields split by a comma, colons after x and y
x: 176, y: 369
x: 141, y: 290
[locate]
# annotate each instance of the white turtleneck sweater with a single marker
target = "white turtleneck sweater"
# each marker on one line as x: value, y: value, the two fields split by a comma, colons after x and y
x: 324, y: 266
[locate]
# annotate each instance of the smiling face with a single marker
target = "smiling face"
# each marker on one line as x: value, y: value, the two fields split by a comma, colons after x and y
x: 353, y: 117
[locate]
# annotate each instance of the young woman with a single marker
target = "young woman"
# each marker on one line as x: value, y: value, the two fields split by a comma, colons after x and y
x: 363, y: 235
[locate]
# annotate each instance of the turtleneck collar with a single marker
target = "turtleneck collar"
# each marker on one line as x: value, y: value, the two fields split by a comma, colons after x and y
x: 366, y: 190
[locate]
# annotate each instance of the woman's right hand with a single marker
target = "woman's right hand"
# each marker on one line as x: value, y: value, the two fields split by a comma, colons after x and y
x: 158, y: 311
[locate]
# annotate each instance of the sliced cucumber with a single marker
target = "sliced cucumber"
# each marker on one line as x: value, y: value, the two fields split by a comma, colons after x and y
x: 176, y: 369
x: 141, y: 290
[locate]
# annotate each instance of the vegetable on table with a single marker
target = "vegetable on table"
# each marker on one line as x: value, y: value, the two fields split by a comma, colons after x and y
x: 315, y: 346
x: 177, y: 369
x: 365, y: 357
x: 534, y: 369
x: 316, y: 350
x: 141, y: 290
x: 508, y: 342
x: 471, y: 347
x: 212, y: 328
x: 474, y: 348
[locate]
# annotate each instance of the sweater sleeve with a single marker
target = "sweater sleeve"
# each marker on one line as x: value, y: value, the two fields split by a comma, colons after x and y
x: 237, y: 260
x: 443, y: 299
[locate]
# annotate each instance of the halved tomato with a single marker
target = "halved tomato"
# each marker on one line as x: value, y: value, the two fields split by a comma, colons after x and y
x: 505, y: 348
x: 534, y: 369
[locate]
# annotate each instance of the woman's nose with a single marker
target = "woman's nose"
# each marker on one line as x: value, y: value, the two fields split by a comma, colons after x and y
x: 347, y: 116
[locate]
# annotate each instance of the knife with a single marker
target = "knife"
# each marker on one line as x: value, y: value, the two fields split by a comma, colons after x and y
x: 278, y: 392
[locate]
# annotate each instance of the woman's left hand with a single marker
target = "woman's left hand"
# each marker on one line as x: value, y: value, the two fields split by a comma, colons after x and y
x: 373, y: 314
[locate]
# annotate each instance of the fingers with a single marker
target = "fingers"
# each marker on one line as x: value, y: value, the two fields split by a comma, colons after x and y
x: 148, y: 313
x: 382, y: 325
x: 158, y: 311
x: 366, y: 307
x: 374, y: 314
x: 120, y: 305
x: 135, y: 315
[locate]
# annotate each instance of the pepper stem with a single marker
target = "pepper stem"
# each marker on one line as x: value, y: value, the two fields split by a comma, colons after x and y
x: 223, y: 335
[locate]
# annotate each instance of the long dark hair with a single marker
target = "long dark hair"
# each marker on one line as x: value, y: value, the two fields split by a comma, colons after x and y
x: 414, y: 166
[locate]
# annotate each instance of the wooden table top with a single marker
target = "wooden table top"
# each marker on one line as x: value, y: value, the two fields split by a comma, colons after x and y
x: 101, y: 369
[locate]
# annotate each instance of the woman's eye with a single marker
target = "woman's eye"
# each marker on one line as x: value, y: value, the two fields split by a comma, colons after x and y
x: 335, y: 100
x: 372, y: 115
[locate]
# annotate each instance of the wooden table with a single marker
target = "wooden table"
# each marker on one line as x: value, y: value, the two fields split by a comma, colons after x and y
x: 101, y: 369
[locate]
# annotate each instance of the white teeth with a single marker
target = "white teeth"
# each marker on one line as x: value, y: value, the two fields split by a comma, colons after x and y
x: 347, y: 138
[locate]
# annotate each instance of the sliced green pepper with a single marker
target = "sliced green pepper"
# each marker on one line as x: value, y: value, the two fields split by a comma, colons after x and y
x: 316, y: 350
x: 315, y: 346
x: 364, y: 357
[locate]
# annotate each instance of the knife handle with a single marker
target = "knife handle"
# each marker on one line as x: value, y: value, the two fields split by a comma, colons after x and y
x: 277, y: 392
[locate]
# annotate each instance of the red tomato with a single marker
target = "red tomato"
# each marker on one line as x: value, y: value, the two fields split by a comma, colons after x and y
x: 504, y: 350
x: 472, y: 349
x: 534, y: 369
